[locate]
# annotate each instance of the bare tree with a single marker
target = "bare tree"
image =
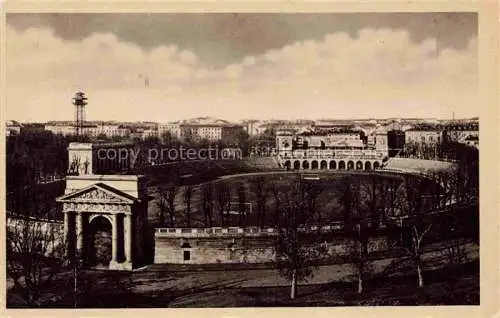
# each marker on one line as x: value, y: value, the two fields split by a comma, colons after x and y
x: 360, y: 225
x: 358, y: 231
x: 188, y: 195
x: 311, y: 194
x: 261, y: 194
x: 241, y: 194
x: 171, y: 193
x: 223, y: 197
x: 419, y: 224
x: 459, y: 183
x: 346, y: 197
x: 278, y: 200
x: 162, y: 206
x: 454, y: 254
x: 297, y: 249
x: 370, y: 201
x: 416, y: 233
x: 166, y: 203
x: 207, y: 203
x: 436, y: 192
x: 389, y: 193
x: 35, y: 255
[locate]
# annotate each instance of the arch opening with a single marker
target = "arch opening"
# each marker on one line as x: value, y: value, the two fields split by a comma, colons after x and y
x: 341, y: 165
x: 314, y: 164
x: 368, y: 165
x: 323, y: 164
x: 350, y: 165
x: 333, y: 165
x: 359, y: 165
x: 99, y: 251
x: 288, y: 165
x: 296, y: 165
x: 305, y: 164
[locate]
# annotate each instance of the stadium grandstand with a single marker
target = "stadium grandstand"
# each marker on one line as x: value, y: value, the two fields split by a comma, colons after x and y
x: 418, y: 165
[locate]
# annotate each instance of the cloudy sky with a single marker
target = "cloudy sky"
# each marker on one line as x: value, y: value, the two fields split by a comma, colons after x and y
x: 165, y: 67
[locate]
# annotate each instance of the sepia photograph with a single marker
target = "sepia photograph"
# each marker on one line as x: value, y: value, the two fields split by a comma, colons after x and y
x: 242, y: 159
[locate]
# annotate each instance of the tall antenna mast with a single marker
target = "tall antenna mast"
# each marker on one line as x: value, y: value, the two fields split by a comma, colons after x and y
x: 80, y: 101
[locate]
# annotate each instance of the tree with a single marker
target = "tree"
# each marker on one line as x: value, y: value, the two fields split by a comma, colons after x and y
x: 241, y: 194
x: 358, y: 231
x: 261, y: 193
x: 454, y: 254
x: 346, y: 197
x: 168, y: 139
x: 419, y: 224
x: 371, y: 202
x: 207, y: 203
x: 415, y: 234
x: 297, y: 249
x: 311, y: 194
x: 188, y: 194
x: 171, y: 193
x: 166, y: 203
x: 239, y: 138
x: 389, y: 194
x: 162, y: 206
x: 35, y: 255
x: 359, y: 226
x: 277, y: 195
x: 223, y: 197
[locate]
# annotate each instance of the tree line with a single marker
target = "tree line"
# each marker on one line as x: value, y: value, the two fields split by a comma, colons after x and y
x: 445, y: 150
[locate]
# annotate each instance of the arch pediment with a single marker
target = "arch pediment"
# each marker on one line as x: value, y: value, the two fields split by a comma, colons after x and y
x: 98, y: 193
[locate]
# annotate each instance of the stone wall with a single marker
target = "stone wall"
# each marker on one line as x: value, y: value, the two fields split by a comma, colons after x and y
x: 241, y: 245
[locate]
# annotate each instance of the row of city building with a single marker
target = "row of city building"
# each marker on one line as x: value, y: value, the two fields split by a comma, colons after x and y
x: 350, y: 133
x: 462, y: 132
x: 197, y: 129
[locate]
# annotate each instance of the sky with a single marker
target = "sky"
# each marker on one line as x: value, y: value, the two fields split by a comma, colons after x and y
x: 164, y: 67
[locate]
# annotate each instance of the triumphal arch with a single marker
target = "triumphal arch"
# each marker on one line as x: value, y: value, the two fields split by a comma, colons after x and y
x: 105, y: 215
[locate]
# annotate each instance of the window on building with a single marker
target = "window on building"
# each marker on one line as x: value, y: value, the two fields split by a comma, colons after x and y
x: 187, y: 255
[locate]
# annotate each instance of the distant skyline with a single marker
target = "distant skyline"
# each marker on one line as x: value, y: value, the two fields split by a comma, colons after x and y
x: 166, y: 67
x: 428, y: 119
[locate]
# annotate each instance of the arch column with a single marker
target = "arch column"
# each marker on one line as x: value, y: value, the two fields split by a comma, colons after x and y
x: 114, y: 238
x: 79, y: 232
x: 66, y: 228
x: 127, y: 227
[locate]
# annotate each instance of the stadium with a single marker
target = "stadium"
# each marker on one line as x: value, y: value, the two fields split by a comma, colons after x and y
x: 249, y: 198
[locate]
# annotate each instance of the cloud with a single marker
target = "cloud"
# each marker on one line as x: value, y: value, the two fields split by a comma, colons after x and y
x: 233, y: 71
x: 100, y: 60
x: 381, y: 72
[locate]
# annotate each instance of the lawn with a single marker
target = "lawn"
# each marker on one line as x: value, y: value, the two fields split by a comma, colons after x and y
x: 159, y: 289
